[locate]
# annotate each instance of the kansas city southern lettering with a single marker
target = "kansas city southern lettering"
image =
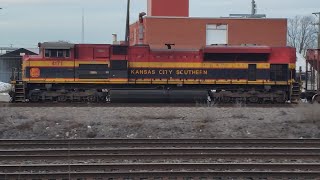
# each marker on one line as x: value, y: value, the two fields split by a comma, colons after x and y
x: 135, y: 72
x: 168, y: 72
x: 191, y: 72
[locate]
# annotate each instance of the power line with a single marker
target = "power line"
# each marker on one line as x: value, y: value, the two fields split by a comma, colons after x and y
x: 318, y: 15
x: 318, y: 63
x: 82, y: 37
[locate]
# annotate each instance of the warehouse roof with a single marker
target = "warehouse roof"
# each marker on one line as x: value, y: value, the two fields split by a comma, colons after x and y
x: 18, y: 53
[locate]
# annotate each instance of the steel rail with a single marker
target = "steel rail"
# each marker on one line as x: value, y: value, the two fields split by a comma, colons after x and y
x: 136, y: 167
x: 165, y: 140
x: 132, y: 141
x: 164, y: 157
x: 155, y: 145
x: 283, y: 151
x: 166, y: 174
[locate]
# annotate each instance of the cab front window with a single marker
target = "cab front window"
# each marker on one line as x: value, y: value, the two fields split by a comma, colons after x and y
x: 60, y: 49
x: 57, y: 53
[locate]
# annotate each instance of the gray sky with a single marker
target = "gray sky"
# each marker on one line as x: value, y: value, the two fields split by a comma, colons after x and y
x: 27, y: 22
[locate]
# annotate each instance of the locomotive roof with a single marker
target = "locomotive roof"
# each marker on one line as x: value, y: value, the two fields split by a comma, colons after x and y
x: 209, y: 18
x: 56, y: 45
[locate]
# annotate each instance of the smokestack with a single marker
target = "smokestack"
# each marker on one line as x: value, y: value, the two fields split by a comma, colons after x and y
x: 141, y: 28
x: 128, y: 24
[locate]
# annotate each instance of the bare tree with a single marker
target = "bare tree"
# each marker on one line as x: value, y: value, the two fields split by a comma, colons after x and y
x: 302, y: 33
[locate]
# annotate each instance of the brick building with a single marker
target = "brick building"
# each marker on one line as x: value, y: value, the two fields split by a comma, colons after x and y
x: 168, y: 22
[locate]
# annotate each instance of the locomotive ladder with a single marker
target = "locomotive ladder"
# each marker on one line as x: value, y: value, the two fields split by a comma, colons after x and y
x: 296, y: 92
x: 20, y: 90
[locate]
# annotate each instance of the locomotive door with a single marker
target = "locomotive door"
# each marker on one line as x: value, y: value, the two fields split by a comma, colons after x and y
x: 94, y: 67
x: 252, y: 72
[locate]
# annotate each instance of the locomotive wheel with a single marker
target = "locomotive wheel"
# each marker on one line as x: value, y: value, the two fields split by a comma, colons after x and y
x: 62, y: 98
x: 92, y: 98
x: 253, y: 99
x: 34, y: 98
x: 317, y: 99
x: 226, y: 99
x: 280, y: 100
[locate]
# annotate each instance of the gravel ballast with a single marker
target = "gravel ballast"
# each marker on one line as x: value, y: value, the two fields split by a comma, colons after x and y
x: 164, y: 122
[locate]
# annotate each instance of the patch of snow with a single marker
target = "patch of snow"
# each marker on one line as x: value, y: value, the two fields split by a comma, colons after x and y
x: 4, y: 97
x: 5, y: 87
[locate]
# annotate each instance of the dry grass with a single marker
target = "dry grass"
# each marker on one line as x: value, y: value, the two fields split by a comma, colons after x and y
x: 168, y: 122
x: 2, y: 118
x: 239, y: 116
x: 25, y: 126
x: 310, y: 113
x: 169, y: 116
x: 283, y: 113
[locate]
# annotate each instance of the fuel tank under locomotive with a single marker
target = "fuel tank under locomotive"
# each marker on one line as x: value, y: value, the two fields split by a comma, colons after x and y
x: 158, y: 96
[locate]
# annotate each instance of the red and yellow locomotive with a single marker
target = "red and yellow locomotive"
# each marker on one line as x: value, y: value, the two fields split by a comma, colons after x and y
x: 95, y: 72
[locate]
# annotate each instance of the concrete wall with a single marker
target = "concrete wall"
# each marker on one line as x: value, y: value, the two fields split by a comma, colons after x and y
x: 191, y: 32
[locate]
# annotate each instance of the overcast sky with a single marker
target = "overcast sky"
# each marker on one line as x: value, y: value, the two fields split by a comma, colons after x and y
x: 24, y: 23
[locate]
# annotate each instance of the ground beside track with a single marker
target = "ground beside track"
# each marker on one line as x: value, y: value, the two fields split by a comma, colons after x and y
x: 302, y: 121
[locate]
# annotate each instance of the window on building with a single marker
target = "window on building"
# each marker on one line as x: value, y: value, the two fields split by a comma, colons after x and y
x: 217, y: 34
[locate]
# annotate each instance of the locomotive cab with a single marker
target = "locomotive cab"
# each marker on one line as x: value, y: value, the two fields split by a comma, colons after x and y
x: 61, y: 50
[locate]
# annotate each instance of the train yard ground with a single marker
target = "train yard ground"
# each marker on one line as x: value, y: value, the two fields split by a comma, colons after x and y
x: 44, y: 121
x: 204, y: 159
x: 159, y: 141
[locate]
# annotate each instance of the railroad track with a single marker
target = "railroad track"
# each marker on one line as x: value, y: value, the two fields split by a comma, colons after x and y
x: 160, y: 159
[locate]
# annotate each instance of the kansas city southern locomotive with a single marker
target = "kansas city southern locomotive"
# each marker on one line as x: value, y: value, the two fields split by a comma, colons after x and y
x: 102, y: 73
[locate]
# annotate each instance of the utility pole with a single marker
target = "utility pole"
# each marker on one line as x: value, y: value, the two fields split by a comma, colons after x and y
x: 82, y: 32
x: 128, y: 23
x: 318, y: 59
x: 318, y: 15
x: 254, y: 8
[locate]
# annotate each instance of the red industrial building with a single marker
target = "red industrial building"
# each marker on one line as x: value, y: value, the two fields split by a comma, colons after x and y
x: 168, y: 22
x: 178, y: 8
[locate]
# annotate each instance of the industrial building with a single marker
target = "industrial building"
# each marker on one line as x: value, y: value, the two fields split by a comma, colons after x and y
x: 11, y: 58
x: 168, y: 22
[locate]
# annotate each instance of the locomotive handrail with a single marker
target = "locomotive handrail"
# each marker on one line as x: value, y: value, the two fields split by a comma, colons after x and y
x: 15, y: 74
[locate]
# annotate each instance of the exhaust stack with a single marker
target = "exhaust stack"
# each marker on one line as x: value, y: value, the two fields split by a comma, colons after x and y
x: 115, y: 39
x: 127, y: 38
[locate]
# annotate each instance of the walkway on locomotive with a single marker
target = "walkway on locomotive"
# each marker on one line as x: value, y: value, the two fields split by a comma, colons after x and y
x: 115, y: 64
